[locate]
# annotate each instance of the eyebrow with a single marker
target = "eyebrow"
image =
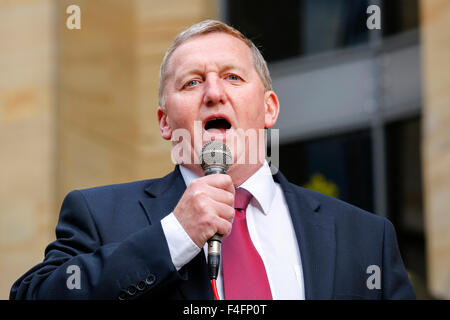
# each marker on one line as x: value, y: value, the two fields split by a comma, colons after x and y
x: 195, y: 70
x: 180, y: 78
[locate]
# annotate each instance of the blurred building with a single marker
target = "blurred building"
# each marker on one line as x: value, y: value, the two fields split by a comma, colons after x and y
x: 363, y: 112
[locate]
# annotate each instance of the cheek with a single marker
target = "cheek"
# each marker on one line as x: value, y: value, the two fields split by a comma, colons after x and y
x: 254, y: 112
x: 180, y: 120
x: 252, y: 101
x: 180, y: 114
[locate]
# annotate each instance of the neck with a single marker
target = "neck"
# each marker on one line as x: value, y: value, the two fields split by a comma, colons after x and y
x: 239, y: 173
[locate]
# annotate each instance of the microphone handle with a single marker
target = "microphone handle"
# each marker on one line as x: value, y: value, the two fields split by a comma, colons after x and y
x: 215, y: 243
x: 214, y: 251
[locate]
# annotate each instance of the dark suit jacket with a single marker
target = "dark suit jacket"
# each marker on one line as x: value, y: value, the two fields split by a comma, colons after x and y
x: 114, y: 235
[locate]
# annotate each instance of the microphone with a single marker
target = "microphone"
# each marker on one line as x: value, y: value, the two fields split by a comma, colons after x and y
x: 215, y: 158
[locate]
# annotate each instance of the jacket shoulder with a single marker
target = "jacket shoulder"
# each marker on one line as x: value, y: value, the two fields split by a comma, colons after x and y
x: 337, y: 208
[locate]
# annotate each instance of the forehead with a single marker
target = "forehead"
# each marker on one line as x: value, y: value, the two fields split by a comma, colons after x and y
x: 211, y: 49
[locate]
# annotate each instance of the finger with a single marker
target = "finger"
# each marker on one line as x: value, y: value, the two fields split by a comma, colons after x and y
x: 220, y: 195
x: 220, y: 181
x: 224, y: 211
x: 223, y: 227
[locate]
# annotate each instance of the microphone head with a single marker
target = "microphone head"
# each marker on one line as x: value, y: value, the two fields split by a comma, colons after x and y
x: 215, y: 157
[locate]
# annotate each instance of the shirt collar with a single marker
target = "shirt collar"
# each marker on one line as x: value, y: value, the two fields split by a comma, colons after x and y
x: 260, y: 185
x: 188, y: 175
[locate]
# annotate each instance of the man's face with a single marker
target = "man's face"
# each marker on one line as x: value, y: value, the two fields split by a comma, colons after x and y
x: 212, y: 80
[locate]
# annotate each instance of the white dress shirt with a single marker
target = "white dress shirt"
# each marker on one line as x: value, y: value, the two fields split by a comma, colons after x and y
x: 270, y: 228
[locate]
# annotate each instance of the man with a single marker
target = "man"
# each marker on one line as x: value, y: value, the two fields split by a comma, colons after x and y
x: 145, y: 239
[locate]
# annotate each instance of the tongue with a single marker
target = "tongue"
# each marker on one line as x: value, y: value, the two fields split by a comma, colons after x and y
x: 216, y: 130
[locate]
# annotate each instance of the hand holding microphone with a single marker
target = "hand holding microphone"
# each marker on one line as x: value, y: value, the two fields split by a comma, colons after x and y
x: 216, y: 159
x: 206, y: 209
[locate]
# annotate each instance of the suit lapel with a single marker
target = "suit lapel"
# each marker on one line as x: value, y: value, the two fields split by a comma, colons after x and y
x: 316, y: 240
x: 164, y: 195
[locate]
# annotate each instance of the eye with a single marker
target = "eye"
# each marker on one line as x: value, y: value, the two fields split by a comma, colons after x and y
x: 191, y: 83
x: 233, y: 77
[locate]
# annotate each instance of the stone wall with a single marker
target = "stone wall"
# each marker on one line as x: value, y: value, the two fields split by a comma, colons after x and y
x: 27, y: 135
x: 435, y: 42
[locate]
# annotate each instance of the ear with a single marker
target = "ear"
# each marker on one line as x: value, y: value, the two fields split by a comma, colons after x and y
x: 272, y: 108
x: 164, y: 128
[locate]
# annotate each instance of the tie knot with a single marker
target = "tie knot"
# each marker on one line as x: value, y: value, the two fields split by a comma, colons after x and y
x: 241, y: 198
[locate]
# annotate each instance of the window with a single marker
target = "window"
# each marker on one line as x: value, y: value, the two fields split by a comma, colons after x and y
x: 405, y: 202
x: 286, y: 29
x: 399, y: 16
x: 340, y: 166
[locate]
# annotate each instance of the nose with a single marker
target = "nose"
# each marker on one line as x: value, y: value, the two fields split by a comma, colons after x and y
x: 214, y: 92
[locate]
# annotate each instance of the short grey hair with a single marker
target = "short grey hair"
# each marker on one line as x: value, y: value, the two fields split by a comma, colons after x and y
x: 203, y: 28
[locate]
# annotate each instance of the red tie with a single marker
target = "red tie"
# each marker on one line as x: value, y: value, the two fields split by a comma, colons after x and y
x: 244, y: 274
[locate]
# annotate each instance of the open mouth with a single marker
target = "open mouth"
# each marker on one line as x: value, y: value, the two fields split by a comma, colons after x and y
x: 217, y: 123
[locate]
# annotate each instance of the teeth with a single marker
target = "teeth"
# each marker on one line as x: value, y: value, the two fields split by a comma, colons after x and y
x: 214, y: 119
